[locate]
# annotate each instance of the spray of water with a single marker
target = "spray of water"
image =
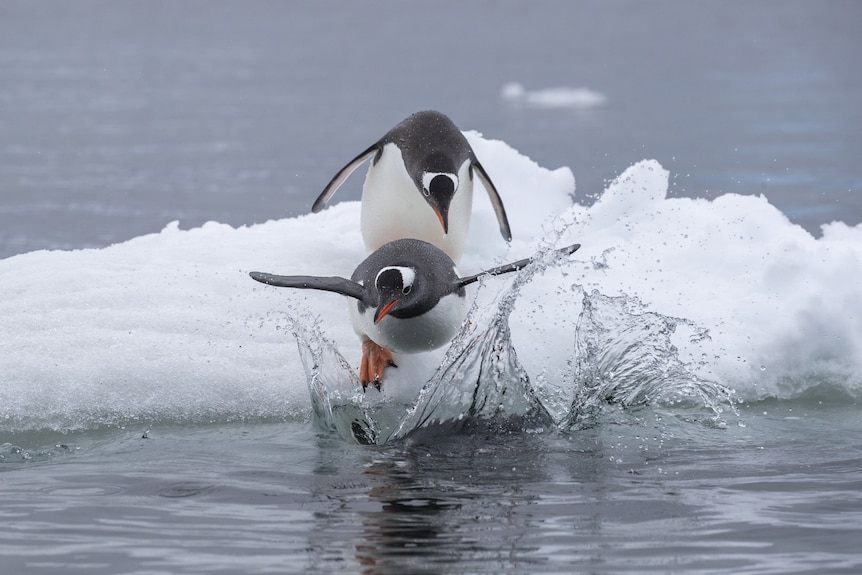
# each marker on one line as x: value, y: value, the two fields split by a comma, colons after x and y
x: 625, y: 355
x: 622, y: 356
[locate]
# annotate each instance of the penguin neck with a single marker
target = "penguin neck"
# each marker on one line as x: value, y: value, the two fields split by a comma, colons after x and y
x: 393, y: 208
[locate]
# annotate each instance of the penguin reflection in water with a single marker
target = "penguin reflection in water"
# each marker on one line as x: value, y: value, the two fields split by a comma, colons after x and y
x: 419, y: 185
x: 409, y: 296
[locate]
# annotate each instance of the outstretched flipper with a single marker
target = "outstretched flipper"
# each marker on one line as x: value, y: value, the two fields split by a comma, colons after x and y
x: 334, y: 284
x: 496, y: 201
x: 342, y: 175
x: 512, y: 267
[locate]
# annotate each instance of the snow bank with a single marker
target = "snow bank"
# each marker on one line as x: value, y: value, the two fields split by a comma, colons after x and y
x: 170, y: 326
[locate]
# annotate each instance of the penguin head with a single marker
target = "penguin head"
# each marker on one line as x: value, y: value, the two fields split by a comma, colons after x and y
x: 398, y: 291
x: 438, y: 182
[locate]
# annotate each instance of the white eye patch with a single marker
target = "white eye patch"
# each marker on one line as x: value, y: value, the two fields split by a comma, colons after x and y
x: 408, y: 275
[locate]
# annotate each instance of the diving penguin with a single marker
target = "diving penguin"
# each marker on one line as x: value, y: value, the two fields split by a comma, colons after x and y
x: 419, y: 185
x: 409, y: 296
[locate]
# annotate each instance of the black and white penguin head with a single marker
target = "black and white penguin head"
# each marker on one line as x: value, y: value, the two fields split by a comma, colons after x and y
x: 438, y: 189
x: 395, y: 292
x: 436, y: 176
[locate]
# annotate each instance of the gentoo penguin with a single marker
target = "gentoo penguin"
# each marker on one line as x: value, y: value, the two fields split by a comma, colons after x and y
x: 409, y: 296
x: 419, y: 185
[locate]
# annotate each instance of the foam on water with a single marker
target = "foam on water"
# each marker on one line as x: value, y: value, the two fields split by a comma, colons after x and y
x: 669, y: 300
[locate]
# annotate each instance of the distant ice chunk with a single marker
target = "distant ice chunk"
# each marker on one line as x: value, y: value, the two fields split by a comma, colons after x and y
x: 560, y: 97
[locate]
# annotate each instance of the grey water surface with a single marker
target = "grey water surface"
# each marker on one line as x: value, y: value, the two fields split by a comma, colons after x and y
x: 647, y: 494
x: 119, y: 117
x: 116, y: 119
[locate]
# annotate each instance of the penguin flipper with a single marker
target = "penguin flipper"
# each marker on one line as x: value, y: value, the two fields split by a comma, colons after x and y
x: 496, y: 201
x: 334, y: 284
x: 342, y: 175
x: 514, y: 266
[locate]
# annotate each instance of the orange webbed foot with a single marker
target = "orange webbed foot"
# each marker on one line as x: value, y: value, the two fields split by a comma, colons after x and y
x: 375, y: 359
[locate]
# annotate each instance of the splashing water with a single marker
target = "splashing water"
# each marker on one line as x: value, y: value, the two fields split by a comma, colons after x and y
x: 333, y: 386
x: 480, y: 377
x: 622, y: 355
x: 625, y: 355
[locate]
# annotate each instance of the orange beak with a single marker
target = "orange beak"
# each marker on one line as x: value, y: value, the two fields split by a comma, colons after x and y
x: 442, y: 221
x: 381, y: 312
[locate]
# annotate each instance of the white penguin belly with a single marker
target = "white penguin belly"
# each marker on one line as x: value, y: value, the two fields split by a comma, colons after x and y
x: 393, y: 208
x: 428, y: 331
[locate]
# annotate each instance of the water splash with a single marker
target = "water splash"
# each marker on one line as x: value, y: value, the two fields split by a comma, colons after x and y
x: 334, y: 388
x: 622, y: 356
x: 625, y: 355
x: 480, y: 378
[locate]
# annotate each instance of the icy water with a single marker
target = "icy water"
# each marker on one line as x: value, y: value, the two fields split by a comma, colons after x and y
x: 681, y: 396
x: 649, y: 493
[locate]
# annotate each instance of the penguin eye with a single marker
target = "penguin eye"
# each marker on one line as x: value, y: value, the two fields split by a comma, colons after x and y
x: 406, y: 289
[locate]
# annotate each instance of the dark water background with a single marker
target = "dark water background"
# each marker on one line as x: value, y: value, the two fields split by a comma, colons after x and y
x: 116, y: 118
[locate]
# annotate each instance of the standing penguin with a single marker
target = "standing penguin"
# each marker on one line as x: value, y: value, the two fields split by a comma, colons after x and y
x: 409, y: 296
x: 419, y: 185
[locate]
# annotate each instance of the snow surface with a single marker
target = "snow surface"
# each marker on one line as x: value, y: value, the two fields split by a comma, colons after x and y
x: 170, y: 326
